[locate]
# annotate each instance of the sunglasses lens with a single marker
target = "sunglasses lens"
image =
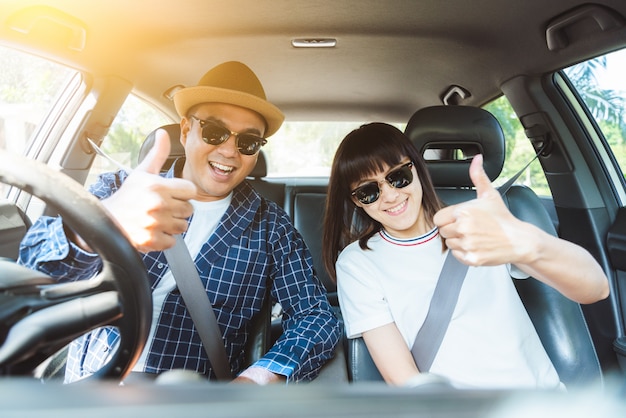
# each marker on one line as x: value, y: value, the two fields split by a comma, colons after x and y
x: 249, y: 144
x: 214, y: 135
x: 368, y: 193
x: 400, y: 178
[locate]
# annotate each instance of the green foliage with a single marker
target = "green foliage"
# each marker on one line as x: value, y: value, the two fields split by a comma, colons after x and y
x: 607, y: 105
x: 519, y: 150
x: 25, y: 79
x: 132, y: 124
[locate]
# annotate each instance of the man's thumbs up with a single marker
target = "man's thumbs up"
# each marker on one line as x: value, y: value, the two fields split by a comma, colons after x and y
x: 149, y: 208
x: 157, y: 156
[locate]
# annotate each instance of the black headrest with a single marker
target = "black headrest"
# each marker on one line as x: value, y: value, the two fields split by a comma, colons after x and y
x: 449, y: 136
x: 177, y: 150
x: 260, y: 169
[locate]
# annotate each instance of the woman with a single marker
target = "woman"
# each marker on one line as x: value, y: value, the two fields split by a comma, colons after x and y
x: 387, y: 236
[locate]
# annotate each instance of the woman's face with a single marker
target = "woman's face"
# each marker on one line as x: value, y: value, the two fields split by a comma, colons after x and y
x: 399, y: 208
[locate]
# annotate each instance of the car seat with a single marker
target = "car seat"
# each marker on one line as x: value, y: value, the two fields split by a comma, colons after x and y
x: 448, y: 136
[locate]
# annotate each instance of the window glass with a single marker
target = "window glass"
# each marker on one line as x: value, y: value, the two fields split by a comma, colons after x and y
x: 297, y: 149
x: 29, y: 87
x: 306, y: 148
x: 519, y: 150
x: 601, y: 84
x: 135, y: 120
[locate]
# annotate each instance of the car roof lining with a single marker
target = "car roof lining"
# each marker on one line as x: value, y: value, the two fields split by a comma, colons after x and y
x: 476, y: 40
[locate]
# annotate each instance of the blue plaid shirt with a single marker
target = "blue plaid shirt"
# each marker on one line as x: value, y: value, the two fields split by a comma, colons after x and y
x: 255, y: 245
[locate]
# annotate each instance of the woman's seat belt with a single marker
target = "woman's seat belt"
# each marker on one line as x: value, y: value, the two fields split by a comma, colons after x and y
x: 445, y: 297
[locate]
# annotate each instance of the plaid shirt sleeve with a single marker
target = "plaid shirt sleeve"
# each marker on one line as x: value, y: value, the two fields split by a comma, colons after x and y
x: 310, y: 328
x: 46, y: 248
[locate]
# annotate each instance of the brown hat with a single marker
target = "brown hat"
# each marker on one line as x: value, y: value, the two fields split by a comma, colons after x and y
x: 233, y: 83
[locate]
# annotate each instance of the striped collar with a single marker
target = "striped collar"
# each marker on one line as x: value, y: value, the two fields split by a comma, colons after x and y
x: 422, y: 239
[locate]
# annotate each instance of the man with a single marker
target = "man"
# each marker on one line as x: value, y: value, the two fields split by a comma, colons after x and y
x: 241, y: 243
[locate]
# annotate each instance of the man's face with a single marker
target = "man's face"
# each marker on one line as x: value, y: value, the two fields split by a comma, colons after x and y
x: 217, y: 169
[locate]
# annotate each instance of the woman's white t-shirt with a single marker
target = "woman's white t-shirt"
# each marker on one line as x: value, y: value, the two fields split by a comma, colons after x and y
x: 490, y: 341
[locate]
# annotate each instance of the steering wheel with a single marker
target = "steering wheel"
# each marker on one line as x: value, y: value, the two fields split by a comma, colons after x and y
x: 39, y: 315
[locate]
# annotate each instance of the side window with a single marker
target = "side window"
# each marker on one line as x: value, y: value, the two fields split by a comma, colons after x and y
x: 135, y: 120
x: 29, y: 87
x: 601, y: 85
x: 519, y: 150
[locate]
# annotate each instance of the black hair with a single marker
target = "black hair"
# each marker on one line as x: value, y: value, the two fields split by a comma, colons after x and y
x: 366, y: 151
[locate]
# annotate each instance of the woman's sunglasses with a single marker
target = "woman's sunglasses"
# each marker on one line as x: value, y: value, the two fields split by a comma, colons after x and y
x: 214, y: 134
x: 398, y: 178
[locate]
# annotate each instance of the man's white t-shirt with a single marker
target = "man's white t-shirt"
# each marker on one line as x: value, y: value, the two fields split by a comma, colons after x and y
x: 206, y: 216
x: 490, y: 341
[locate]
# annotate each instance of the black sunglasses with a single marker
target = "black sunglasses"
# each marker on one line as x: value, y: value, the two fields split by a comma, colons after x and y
x: 214, y: 134
x: 398, y: 178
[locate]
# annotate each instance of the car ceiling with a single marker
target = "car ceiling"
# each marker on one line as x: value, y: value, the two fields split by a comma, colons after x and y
x: 391, y: 57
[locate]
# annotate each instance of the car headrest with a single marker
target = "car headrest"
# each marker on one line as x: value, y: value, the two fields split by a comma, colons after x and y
x: 260, y: 169
x: 177, y: 150
x: 449, y: 136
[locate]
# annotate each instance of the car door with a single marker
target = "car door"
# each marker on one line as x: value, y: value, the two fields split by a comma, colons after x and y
x: 33, y: 93
x: 580, y: 113
x: 600, y: 89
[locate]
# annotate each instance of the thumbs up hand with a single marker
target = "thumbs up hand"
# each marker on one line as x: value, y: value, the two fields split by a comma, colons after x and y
x: 482, y: 231
x: 151, y: 209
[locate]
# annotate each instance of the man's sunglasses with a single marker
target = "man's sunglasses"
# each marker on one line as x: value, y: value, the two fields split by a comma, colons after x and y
x: 398, y: 178
x: 214, y: 134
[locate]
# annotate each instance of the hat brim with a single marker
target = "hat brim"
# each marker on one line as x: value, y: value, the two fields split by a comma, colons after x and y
x: 185, y: 98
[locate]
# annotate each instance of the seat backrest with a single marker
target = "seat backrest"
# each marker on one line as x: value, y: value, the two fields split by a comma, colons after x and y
x: 448, y: 137
x: 306, y: 205
x: 269, y: 190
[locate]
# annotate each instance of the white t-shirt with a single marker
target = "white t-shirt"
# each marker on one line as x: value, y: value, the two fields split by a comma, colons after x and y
x: 490, y: 342
x: 206, y: 216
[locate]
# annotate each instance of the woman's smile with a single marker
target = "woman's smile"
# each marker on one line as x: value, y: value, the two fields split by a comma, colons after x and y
x: 398, y: 209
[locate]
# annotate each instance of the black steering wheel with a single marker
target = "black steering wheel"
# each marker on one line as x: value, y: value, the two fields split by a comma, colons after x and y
x: 39, y: 315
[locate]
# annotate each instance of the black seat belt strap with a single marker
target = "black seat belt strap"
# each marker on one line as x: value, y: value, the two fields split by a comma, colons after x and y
x: 196, y: 299
x: 445, y: 297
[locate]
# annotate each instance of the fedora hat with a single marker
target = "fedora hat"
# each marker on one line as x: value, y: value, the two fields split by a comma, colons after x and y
x: 233, y: 83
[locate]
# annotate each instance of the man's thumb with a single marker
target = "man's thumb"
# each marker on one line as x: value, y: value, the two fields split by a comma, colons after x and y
x: 157, y: 155
x: 479, y: 177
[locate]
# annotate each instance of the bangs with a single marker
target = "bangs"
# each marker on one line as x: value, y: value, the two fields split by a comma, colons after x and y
x: 371, y: 149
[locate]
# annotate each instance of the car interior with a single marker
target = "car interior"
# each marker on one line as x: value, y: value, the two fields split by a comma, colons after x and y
x: 435, y: 69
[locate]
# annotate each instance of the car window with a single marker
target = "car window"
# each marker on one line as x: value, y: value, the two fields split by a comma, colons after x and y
x: 306, y: 148
x: 601, y: 85
x: 29, y: 87
x: 135, y: 120
x: 519, y: 150
x: 297, y: 149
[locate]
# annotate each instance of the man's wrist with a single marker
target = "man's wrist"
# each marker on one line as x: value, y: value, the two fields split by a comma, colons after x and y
x: 261, y: 376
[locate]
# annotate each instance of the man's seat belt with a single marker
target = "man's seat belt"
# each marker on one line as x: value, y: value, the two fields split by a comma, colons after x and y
x: 196, y: 299
x: 445, y: 297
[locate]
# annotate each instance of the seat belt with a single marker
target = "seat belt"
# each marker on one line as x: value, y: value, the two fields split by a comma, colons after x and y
x: 445, y: 297
x: 196, y: 299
